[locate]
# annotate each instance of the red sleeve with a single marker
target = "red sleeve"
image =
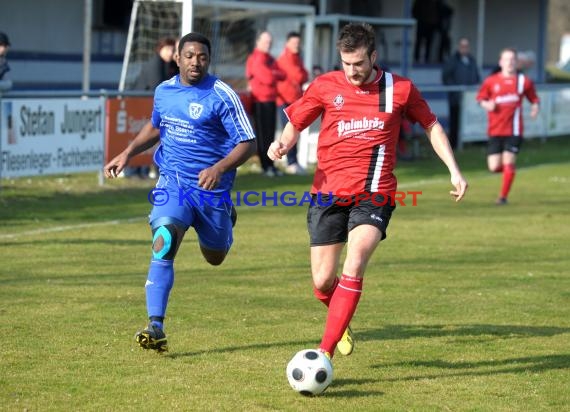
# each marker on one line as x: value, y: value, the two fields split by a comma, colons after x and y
x: 418, y: 111
x: 308, y: 108
x: 484, y: 92
x: 530, y: 91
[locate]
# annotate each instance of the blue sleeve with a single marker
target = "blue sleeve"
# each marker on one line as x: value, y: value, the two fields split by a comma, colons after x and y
x: 155, y: 116
x: 233, y: 115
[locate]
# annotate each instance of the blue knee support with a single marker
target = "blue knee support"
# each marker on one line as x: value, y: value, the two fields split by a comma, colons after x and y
x: 169, y: 242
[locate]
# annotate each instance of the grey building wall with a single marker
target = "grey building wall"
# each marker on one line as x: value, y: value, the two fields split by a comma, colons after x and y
x: 47, y: 36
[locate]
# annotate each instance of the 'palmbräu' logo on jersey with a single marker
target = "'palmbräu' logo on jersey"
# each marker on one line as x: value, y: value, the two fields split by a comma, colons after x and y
x: 353, y: 126
x: 195, y: 110
x: 507, y: 98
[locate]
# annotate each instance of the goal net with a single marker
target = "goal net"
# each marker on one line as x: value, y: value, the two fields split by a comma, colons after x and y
x: 150, y: 21
x: 231, y: 27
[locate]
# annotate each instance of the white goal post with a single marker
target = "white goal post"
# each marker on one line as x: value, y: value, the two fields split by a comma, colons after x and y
x: 231, y: 26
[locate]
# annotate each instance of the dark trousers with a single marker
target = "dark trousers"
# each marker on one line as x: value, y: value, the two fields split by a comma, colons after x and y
x: 264, y: 122
x: 424, y: 37
x: 454, y: 113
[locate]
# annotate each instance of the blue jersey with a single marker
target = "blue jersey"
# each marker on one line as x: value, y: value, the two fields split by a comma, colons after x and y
x: 199, y: 125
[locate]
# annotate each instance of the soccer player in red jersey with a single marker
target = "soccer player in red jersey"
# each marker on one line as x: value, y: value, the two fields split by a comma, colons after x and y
x: 361, y: 110
x: 502, y: 95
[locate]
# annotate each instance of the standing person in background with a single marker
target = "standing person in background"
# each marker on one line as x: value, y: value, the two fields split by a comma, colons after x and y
x: 460, y: 69
x: 426, y: 13
x: 361, y: 108
x: 445, y: 18
x: 4, y: 47
x: 159, y: 68
x: 204, y: 135
x: 290, y: 89
x: 502, y: 95
x: 263, y: 73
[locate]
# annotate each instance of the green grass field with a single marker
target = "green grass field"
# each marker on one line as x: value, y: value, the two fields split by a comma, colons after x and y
x: 466, y: 307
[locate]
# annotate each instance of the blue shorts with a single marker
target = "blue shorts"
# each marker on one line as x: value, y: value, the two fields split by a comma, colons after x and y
x: 207, y: 212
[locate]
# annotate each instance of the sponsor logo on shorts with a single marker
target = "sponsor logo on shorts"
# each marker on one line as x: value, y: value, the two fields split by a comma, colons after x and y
x: 374, y: 217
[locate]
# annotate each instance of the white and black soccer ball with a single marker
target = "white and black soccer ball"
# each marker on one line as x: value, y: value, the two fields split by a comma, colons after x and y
x: 309, y: 372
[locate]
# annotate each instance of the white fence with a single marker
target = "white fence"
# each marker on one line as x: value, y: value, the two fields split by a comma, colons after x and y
x: 553, y: 119
x: 44, y: 133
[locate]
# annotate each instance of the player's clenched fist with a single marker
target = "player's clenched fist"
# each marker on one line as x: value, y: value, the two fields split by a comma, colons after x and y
x: 276, y: 150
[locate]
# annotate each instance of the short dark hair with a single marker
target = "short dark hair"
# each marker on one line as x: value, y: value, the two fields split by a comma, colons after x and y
x: 195, y: 37
x: 356, y: 35
x: 4, y: 40
x: 293, y: 34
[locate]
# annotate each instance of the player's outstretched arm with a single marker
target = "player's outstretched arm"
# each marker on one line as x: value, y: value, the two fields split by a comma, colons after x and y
x: 440, y: 144
x: 147, y: 137
x: 288, y: 139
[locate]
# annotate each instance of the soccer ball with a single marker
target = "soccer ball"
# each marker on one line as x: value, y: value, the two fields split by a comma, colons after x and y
x: 309, y: 372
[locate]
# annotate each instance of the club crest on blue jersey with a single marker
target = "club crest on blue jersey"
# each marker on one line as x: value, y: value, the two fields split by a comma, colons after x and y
x: 195, y: 110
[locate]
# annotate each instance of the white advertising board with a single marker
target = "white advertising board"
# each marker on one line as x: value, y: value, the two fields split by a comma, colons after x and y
x: 51, y: 136
x: 553, y: 119
x: 474, y: 118
x: 559, y: 113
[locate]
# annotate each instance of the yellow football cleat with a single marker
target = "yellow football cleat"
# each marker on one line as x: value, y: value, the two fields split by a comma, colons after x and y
x: 346, y: 344
x: 152, y: 338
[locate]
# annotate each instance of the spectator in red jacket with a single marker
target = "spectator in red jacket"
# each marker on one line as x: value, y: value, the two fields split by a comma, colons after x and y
x: 291, y: 88
x: 263, y: 73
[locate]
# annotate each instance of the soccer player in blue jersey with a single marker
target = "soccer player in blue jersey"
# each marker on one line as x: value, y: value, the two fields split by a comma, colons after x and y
x: 204, y: 135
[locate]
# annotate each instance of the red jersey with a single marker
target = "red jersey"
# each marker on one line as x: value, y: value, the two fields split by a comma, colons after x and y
x: 508, y: 93
x: 291, y: 88
x: 360, y: 127
x: 263, y: 73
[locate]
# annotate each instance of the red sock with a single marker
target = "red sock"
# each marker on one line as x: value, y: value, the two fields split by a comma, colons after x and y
x: 509, y: 172
x: 341, y: 309
x: 326, y: 297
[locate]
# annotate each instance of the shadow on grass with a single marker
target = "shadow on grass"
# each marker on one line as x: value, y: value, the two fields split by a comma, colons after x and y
x: 341, y: 385
x: 481, y: 368
x: 403, y: 332
x: 530, y: 364
x: 352, y: 393
x: 339, y: 390
x: 429, y: 331
x: 229, y: 349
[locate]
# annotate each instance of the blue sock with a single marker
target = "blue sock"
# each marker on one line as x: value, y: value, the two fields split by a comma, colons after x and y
x: 157, y: 321
x: 159, y: 282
